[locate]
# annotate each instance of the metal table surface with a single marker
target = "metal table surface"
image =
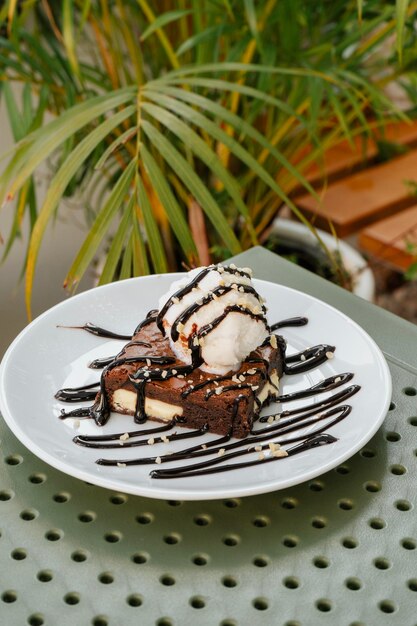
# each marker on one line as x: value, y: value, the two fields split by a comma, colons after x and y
x: 339, y: 550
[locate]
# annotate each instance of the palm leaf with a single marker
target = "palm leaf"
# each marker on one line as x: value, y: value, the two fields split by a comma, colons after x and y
x: 196, y: 186
x: 212, y: 32
x: 126, y: 269
x: 165, y: 43
x: 117, y: 143
x: 231, y: 119
x: 116, y: 248
x: 156, y: 247
x: 58, y: 186
x: 39, y: 145
x: 223, y: 68
x: 224, y: 85
x: 162, y: 20
x: 15, y: 118
x: 100, y: 227
x: 173, y: 210
x: 139, y: 255
x: 360, y: 10
x: 199, y: 191
x: 68, y: 35
x: 197, y: 145
x: 401, y: 14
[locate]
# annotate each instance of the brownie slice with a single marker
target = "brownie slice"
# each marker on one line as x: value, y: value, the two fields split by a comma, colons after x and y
x: 197, y: 399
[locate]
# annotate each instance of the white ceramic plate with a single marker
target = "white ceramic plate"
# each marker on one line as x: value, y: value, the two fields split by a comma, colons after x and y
x: 45, y: 358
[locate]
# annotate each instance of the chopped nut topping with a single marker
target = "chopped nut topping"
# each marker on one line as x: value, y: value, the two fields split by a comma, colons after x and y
x: 270, y: 419
x: 303, y: 357
x: 204, y: 446
x: 221, y: 452
x: 274, y: 446
x: 280, y: 453
x: 121, y: 465
x: 337, y: 380
x: 165, y: 439
x: 148, y: 362
x: 150, y: 441
x: 164, y: 374
x: 175, y: 300
x: 330, y: 355
x: 158, y: 459
x: 261, y: 456
x: 242, y: 378
x: 273, y: 341
x: 124, y: 437
x: 258, y: 448
x: 174, y: 372
x: 251, y: 371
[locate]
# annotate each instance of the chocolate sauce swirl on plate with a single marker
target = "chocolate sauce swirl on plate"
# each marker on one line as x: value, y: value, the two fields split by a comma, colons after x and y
x: 288, y: 432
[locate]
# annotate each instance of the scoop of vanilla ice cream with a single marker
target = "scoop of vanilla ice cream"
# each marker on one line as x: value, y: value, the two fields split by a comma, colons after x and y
x: 229, y: 343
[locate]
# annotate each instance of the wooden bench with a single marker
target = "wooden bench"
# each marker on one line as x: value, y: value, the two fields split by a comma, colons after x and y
x: 393, y: 239
x: 344, y: 159
x: 377, y: 203
x: 362, y: 198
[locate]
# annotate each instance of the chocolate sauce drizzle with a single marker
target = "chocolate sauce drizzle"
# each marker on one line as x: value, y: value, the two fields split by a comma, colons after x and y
x: 324, y: 385
x: 291, y: 321
x: 240, y: 447
x: 78, y: 394
x: 326, y: 413
x: 183, y: 318
x: 207, y: 467
x: 99, y: 332
x: 305, y: 360
x: 180, y: 293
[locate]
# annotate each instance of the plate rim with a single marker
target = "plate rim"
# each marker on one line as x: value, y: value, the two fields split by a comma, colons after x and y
x: 161, y: 493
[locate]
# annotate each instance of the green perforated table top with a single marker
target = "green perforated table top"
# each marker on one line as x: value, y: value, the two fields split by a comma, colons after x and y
x: 338, y: 550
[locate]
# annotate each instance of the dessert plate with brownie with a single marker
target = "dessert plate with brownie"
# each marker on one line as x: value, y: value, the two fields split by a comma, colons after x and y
x: 202, y: 385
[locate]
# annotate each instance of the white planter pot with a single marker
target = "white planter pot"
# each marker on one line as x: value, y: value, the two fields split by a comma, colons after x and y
x: 363, y: 278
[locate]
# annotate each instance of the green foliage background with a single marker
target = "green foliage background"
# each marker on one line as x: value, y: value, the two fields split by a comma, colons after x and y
x: 186, y: 127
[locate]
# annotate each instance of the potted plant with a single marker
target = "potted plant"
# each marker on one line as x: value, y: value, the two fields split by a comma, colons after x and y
x: 181, y: 125
x: 339, y: 262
